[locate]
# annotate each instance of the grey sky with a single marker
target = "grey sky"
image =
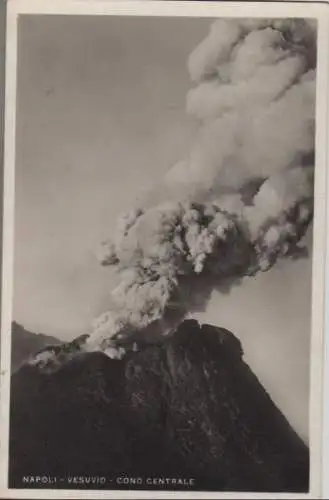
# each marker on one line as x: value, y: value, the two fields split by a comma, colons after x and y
x: 100, y: 118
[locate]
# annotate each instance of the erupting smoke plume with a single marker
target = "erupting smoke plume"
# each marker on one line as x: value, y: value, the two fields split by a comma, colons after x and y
x: 242, y: 198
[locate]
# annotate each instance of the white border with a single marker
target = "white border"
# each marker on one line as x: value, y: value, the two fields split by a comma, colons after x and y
x: 182, y: 9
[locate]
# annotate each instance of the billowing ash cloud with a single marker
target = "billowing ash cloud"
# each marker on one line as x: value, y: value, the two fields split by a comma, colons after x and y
x: 243, y: 196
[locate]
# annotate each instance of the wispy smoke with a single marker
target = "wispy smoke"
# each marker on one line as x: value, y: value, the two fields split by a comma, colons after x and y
x: 243, y: 196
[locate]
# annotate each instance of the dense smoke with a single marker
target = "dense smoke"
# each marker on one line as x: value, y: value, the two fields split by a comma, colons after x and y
x: 243, y: 196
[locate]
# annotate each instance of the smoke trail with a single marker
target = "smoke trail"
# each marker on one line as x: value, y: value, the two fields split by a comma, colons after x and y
x: 243, y: 197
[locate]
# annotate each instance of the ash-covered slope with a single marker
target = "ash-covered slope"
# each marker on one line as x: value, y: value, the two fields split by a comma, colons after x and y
x: 189, y: 408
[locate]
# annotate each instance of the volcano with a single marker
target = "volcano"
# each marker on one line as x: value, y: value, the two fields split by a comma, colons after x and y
x: 188, y: 408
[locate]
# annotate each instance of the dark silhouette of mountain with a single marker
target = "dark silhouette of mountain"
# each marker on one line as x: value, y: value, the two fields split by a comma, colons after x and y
x: 25, y: 343
x: 187, y: 408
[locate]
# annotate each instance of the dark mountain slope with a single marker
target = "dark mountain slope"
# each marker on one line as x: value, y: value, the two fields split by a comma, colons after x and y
x: 189, y: 407
x: 25, y: 343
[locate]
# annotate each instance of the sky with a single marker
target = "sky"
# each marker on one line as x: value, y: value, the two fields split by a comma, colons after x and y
x: 100, y: 118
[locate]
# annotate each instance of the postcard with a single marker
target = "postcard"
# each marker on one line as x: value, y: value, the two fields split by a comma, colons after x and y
x: 164, y: 249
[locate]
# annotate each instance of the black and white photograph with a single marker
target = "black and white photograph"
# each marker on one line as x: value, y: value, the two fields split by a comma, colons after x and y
x: 161, y: 329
